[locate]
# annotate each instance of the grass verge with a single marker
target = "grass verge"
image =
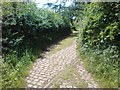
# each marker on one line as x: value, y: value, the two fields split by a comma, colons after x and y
x: 103, y: 68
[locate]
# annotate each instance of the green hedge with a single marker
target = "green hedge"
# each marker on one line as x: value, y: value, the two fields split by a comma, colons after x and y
x: 26, y: 31
x: 99, y: 43
x: 25, y: 22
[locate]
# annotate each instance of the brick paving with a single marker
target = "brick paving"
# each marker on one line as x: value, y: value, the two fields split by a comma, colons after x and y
x: 45, y: 69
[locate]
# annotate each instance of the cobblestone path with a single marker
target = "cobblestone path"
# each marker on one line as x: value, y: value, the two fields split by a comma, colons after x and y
x: 46, y: 69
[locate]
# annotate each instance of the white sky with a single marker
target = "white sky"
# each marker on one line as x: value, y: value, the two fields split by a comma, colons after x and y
x: 40, y: 3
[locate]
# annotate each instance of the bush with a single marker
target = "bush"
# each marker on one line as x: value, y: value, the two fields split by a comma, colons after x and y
x: 99, y: 41
x: 26, y: 31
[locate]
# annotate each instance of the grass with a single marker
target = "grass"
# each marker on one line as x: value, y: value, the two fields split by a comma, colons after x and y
x: 101, y: 78
x: 100, y: 68
x: 71, y: 77
x: 1, y: 64
x: 64, y: 43
x: 14, y: 77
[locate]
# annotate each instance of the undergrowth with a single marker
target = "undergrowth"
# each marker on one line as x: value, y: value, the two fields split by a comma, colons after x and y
x: 102, y: 64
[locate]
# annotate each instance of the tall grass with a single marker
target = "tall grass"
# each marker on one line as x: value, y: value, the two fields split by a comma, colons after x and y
x: 102, y: 64
x: 14, y: 76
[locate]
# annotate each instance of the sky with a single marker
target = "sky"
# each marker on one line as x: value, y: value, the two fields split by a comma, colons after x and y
x: 40, y: 3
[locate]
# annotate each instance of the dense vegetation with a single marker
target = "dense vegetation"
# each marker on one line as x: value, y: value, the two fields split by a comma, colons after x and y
x: 99, y: 41
x: 26, y: 31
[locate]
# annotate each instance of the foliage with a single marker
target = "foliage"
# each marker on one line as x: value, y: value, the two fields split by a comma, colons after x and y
x: 99, y: 41
x: 26, y: 31
x: 100, y: 24
x: 13, y: 76
x: 25, y: 22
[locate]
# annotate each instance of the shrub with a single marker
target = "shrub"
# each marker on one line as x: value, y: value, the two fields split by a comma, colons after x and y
x: 26, y: 30
x: 99, y: 41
